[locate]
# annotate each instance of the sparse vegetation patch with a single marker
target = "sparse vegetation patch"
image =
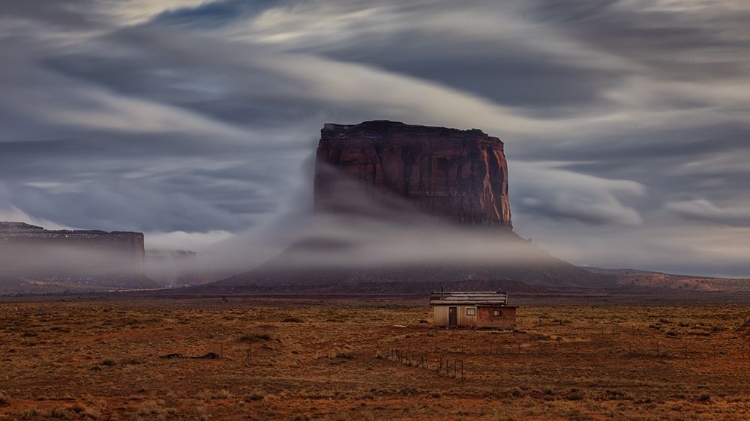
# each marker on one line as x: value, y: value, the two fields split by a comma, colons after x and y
x: 217, y: 360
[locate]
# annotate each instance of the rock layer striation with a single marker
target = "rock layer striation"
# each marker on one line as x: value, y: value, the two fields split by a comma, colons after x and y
x: 459, y: 175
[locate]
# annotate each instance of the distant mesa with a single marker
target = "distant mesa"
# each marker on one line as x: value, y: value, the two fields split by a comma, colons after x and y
x: 63, y: 258
x: 129, y: 244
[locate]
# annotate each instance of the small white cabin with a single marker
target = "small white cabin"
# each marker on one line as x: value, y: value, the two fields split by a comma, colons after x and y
x: 480, y: 309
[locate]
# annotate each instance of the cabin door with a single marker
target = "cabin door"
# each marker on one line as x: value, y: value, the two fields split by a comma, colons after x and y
x: 452, y: 316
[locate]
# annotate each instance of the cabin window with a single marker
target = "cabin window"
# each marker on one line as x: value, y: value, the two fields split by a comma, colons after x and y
x: 471, y: 311
x: 496, y: 313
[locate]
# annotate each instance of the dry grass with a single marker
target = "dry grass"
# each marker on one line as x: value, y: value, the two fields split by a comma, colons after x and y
x: 590, y: 361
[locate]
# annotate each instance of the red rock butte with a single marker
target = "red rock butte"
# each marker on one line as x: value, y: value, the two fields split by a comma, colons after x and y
x: 459, y: 175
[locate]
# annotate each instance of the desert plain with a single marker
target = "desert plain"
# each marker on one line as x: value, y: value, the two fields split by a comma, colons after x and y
x: 582, y: 358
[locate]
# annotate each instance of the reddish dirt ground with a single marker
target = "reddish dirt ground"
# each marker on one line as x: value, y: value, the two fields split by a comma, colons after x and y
x: 579, y: 359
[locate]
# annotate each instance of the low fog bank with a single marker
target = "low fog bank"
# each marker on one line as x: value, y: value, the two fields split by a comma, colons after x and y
x: 50, y: 260
x: 57, y: 268
x: 354, y: 227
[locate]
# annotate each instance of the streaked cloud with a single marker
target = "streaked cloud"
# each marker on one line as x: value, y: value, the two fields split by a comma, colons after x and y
x: 548, y: 191
x: 623, y: 119
x: 706, y: 211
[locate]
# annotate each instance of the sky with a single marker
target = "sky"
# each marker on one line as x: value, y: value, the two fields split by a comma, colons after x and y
x: 626, y: 122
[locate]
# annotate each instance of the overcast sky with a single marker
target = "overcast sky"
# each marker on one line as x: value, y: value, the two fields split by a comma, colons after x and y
x: 626, y: 123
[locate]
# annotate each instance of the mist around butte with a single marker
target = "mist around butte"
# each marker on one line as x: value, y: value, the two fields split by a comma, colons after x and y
x: 196, y: 123
x: 349, y: 225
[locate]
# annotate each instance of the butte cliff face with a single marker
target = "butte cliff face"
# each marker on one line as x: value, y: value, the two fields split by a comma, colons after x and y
x: 459, y: 175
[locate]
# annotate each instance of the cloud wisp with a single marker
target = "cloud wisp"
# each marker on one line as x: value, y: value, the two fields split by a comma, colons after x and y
x: 706, y: 211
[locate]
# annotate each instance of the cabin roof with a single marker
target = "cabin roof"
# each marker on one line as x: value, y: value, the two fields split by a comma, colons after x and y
x: 495, y: 298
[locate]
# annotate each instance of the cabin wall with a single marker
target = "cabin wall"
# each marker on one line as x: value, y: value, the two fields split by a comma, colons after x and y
x: 484, y: 316
x: 464, y: 319
x: 440, y: 316
x: 505, y: 318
